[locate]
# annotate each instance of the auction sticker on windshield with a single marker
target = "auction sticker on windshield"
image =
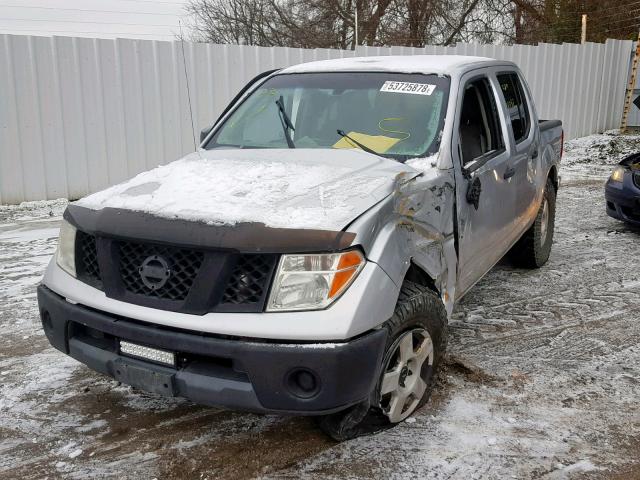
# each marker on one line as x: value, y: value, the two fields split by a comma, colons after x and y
x: 408, y: 87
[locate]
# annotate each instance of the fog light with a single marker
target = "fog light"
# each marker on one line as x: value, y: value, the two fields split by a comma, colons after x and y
x: 306, y: 381
x: 303, y: 383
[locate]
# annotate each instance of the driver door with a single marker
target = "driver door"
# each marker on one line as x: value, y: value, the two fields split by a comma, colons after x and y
x: 485, y: 197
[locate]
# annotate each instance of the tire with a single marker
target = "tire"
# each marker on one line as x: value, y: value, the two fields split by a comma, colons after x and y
x: 534, y: 248
x: 419, y: 318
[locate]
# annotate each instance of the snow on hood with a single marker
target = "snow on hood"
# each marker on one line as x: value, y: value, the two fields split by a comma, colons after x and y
x: 301, y: 188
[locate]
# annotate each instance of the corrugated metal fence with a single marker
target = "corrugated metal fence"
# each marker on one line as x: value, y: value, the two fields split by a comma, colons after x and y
x: 78, y: 114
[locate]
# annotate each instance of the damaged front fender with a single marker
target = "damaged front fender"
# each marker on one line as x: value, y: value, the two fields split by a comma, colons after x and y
x: 414, y: 225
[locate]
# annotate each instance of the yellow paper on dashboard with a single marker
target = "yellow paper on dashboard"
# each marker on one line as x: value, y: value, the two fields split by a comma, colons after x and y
x: 377, y: 143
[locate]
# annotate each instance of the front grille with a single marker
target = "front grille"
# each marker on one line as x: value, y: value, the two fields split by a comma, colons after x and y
x: 87, y: 267
x: 164, y: 276
x: 250, y: 279
x: 183, y: 264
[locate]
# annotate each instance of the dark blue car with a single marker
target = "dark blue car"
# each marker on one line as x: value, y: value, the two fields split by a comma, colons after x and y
x: 622, y: 191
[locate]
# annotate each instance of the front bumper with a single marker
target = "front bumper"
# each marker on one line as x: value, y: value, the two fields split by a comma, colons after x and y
x: 245, y: 374
x: 623, y: 200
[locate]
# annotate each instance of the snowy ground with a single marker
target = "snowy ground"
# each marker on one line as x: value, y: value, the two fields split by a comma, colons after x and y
x: 543, y: 379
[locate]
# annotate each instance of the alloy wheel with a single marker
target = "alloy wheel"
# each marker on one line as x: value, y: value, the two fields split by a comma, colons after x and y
x: 402, y: 386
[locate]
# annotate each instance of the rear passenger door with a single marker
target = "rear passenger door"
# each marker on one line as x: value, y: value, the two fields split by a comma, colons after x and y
x: 522, y: 131
x: 480, y: 144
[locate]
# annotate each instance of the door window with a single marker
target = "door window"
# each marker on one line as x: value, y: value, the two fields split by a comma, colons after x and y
x: 480, y: 132
x: 516, y: 102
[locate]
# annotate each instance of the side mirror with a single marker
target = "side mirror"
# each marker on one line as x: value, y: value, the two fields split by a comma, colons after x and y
x: 204, y: 132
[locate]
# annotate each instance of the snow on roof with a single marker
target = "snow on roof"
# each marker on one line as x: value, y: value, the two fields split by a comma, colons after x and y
x: 441, y: 64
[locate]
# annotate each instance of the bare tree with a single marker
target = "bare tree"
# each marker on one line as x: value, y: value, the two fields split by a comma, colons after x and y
x: 331, y: 23
x: 234, y: 21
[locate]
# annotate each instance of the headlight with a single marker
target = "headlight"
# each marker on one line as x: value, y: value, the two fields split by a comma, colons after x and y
x: 618, y: 174
x: 313, y: 282
x: 66, y: 253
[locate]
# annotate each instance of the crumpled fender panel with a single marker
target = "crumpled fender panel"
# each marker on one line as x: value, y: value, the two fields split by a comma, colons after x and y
x: 415, y: 224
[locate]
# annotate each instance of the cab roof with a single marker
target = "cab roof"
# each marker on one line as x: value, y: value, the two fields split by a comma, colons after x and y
x: 438, y: 64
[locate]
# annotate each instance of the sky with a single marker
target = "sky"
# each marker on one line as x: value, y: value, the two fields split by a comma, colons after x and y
x: 144, y: 19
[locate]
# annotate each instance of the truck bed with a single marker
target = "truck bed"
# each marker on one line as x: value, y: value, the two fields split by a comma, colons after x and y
x: 552, y: 138
x: 549, y: 124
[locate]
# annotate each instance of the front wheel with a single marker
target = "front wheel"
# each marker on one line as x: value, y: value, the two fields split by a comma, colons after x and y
x: 417, y: 339
x: 407, y: 372
x: 534, y: 248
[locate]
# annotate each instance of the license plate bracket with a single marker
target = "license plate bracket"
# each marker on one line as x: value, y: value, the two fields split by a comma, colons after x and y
x: 145, y: 378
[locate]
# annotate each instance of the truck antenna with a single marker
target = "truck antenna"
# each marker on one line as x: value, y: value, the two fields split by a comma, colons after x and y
x: 186, y: 78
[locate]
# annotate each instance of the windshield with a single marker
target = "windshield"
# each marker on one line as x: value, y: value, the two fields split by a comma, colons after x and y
x: 393, y: 114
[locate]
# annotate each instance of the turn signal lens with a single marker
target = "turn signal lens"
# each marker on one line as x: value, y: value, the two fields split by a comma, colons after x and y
x: 618, y: 174
x: 313, y: 281
x: 348, y: 266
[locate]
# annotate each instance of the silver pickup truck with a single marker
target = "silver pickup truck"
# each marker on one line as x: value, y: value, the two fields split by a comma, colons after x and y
x: 306, y: 259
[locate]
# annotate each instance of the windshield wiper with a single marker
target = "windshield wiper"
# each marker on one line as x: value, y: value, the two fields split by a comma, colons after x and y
x: 286, y: 122
x: 362, y: 147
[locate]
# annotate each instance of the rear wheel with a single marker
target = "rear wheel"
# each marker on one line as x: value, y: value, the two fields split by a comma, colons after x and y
x: 417, y: 339
x: 534, y: 248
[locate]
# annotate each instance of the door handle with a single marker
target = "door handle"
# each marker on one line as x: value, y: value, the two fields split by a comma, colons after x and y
x: 509, y: 172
